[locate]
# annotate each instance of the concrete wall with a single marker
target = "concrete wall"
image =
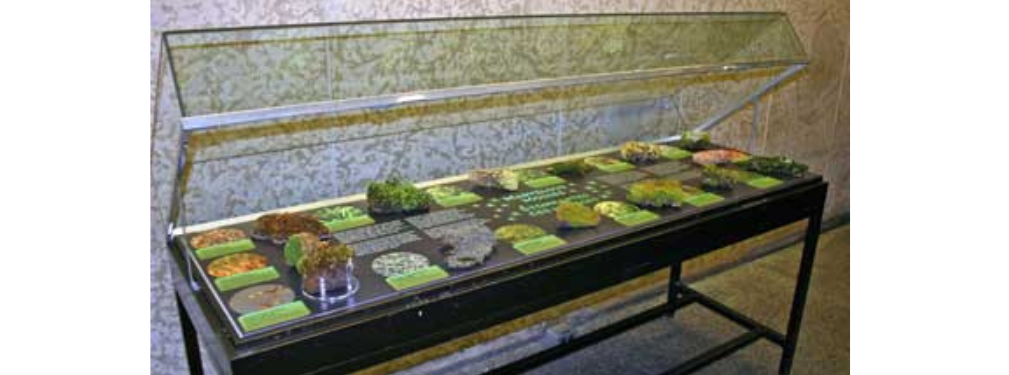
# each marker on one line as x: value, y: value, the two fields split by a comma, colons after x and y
x: 807, y: 120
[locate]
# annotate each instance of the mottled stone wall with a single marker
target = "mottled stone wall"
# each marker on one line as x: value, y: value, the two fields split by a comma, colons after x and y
x: 808, y: 119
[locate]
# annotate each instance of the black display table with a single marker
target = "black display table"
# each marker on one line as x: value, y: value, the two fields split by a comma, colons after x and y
x: 445, y: 311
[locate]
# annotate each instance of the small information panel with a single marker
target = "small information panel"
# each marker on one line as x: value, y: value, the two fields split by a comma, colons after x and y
x: 225, y: 249
x: 636, y: 217
x: 675, y: 153
x: 272, y: 316
x: 704, y: 199
x: 544, y: 182
x: 763, y: 182
x: 354, y: 222
x: 415, y: 278
x: 227, y: 283
x: 458, y: 199
x: 538, y: 244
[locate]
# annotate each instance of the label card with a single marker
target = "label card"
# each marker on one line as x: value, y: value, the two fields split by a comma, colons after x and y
x: 636, y: 217
x: 545, y: 181
x: 703, y: 199
x: 615, y: 167
x: 272, y: 316
x: 458, y: 199
x: 354, y: 222
x: 225, y: 249
x: 675, y: 153
x: 227, y: 283
x: 763, y: 182
x: 415, y: 278
x: 538, y: 244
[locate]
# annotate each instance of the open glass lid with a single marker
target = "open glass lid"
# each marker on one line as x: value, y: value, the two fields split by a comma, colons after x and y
x: 284, y: 129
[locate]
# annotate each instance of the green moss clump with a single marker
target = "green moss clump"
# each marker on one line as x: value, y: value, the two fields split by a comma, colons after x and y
x: 775, y: 166
x: 397, y: 196
x: 574, y: 215
x: 658, y: 193
x: 576, y: 168
x: 716, y: 178
x: 299, y: 244
x: 323, y: 258
x: 694, y: 141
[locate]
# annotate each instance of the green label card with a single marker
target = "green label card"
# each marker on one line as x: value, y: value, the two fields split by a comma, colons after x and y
x: 458, y: 199
x: 615, y: 167
x: 763, y: 182
x: 545, y: 181
x: 225, y: 249
x: 274, y: 315
x: 227, y: 283
x: 354, y: 222
x: 418, y: 277
x: 538, y: 244
x: 675, y: 153
x: 703, y: 199
x: 636, y: 217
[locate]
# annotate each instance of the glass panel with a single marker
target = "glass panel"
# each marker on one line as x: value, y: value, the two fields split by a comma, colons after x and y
x: 223, y: 71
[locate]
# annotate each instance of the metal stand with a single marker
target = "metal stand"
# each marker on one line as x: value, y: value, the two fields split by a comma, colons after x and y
x: 190, y: 338
x: 680, y: 295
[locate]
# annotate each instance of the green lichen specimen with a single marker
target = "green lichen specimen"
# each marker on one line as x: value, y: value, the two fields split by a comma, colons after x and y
x: 694, y: 141
x: 396, y: 196
x: 299, y: 244
x: 722, y: 179
x: 574, y: 215
x: 613, y: 209
x: 325, y: 257
x: 339, y: 213
x: 638, y: 152
x: 658, y: 193
x: 518, y: 232
x: 775, y: 166
x: 575, y: 168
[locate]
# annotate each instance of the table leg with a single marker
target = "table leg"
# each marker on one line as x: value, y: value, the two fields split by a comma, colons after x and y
x: 190, y: 339
x: 801, y: 287
x: 673, y: 290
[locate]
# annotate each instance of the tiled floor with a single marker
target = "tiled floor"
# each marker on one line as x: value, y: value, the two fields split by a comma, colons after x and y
x: 763, y: 290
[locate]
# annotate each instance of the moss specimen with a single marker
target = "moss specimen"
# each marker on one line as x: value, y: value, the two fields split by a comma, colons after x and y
x: 722, y: 179
x: 278, y: 227
x: 574, y: 215
x: 640, y: 152
x: 518, y: 232
x: 659, y: 193
x: 324, y: 258
x: 299, y: 244
x: 775, y: 166
x: 505, y: 179
x: 613, y: 209
x: 339, y: 213
x: 694, y: 141
x: 570, y: 168
x: 396, y: 196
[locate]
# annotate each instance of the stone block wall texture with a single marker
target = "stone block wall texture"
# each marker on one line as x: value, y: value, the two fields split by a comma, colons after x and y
x: 807, y: 119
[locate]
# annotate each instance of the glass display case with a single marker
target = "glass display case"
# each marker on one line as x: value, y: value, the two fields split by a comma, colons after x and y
x: 333, y: 172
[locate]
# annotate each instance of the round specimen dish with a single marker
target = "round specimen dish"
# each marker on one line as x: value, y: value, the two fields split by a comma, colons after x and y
x: 717, y: 157
x: 518, y: 232
x: 216, y: 237
x: 398, y: 263
x: 236, y: 264
x: 613, y: 208
x: 260, y: 297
